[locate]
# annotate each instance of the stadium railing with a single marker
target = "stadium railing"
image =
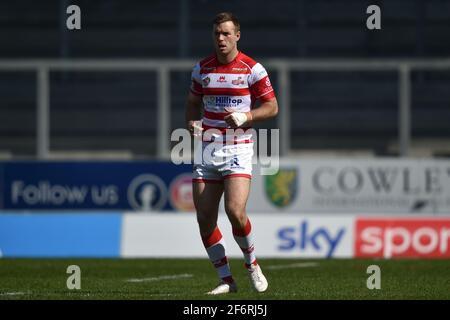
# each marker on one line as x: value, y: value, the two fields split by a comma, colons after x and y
x: 163, y: 67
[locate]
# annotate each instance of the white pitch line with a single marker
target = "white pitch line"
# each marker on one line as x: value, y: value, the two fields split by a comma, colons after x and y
x: 292, y: 265
x: 168, y: 277
x: 163, y: 295
x: 12, y: 293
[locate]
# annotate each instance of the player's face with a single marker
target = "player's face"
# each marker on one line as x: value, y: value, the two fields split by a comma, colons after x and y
x: 225, y: 37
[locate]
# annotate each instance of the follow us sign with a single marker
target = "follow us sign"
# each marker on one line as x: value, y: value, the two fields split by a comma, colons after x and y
x: 138, y: 186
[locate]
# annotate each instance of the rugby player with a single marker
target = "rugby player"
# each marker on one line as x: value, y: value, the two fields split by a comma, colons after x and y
x: 226, y: 86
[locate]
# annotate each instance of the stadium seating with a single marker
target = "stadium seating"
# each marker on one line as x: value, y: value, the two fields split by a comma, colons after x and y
x: 91, y: 111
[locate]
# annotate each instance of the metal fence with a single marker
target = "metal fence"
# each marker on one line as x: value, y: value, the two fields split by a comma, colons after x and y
x: 163, y: 67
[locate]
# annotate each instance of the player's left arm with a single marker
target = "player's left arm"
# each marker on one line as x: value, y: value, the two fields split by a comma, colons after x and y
x: 268, y: 109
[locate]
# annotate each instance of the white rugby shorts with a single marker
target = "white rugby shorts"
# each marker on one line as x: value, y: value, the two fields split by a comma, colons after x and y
x: 219, y: 161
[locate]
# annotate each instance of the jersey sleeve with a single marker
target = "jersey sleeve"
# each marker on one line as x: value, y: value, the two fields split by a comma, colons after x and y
x: 196, y: 81
x: 259, y: 83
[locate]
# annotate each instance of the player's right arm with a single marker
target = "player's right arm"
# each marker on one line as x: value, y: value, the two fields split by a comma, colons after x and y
x: 194, y: 101
x: 193, y: 110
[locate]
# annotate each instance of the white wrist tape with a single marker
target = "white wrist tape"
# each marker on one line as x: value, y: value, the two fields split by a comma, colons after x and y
x: 239, y: 118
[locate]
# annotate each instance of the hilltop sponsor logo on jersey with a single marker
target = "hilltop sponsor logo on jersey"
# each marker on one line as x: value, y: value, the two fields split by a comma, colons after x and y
x: 389, y: 238
x: 224, y: 101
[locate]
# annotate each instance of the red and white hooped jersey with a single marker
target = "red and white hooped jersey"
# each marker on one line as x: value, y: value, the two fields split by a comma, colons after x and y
x: 236, y: 85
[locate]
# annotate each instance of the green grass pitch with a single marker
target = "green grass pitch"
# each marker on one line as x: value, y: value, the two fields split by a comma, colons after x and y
x: 178, y: 279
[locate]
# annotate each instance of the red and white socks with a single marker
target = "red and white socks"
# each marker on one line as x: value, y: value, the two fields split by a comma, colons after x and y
x: 244, y: 239
x: 215, y: 247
